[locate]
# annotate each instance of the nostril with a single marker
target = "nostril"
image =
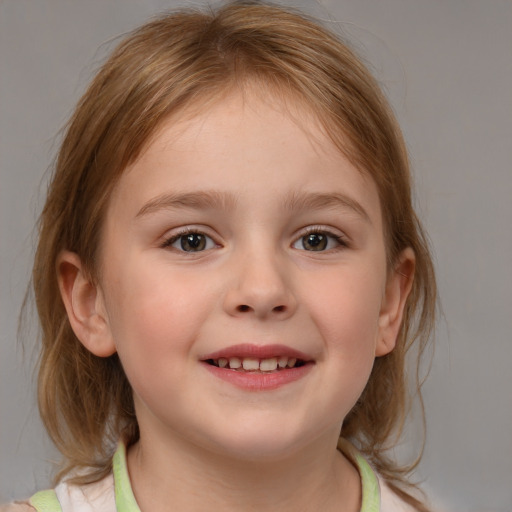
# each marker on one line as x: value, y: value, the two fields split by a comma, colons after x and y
x: 244, y: 308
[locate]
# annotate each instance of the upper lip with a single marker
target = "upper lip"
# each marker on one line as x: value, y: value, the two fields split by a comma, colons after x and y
x: 257, y: 351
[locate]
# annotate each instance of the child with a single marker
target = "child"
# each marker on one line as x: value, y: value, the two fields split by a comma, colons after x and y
x: 229, y: 276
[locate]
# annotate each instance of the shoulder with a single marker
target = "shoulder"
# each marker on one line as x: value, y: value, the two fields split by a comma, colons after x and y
x: 390, y: 502
x: 99, y: 496
x: 87, y: 498
x: 17, y: 506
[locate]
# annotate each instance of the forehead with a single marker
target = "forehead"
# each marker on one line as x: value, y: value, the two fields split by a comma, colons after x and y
x: 243, y: 142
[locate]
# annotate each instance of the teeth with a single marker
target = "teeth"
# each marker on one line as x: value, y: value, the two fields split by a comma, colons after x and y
x: 253, y: 364
x: 268, y: 365
x: 234, y: 363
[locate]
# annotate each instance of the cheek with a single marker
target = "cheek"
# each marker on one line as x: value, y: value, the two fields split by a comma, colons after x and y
x: 156, y: 312
x: 348, y: 315
x: 152, y: 333
x: 153, y: 319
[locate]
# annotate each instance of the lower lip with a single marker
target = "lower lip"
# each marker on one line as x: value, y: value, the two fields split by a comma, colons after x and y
x: 260, y: 381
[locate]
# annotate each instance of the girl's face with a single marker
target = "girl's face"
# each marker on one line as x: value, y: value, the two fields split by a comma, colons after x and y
x: 243, y: 237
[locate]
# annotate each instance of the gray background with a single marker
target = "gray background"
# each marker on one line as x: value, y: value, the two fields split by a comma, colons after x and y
x: 447, y: 68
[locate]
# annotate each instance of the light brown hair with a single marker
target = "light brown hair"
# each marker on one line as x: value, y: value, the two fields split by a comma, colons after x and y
x: 174, y: 62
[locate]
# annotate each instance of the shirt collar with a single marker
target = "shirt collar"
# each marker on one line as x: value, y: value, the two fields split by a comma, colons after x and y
x: 125, y: 500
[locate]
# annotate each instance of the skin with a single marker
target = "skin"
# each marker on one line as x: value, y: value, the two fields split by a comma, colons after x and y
x: 270, y: 175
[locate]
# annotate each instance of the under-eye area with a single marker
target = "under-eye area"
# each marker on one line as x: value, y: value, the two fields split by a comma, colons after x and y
x: 252, y: 364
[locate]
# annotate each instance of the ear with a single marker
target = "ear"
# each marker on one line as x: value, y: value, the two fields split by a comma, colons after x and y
x: 84, y: 305
x: 398, y: 287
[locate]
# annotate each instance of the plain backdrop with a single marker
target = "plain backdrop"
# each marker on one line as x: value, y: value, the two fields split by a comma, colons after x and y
x: 446, y: 66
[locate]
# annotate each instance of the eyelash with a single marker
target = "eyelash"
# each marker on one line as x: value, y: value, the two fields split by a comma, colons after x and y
x: 168, y: 243
x: 340, y: 240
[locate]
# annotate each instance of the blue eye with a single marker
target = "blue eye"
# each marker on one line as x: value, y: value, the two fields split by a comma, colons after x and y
x: 190, y: 241
x: 319, y: 241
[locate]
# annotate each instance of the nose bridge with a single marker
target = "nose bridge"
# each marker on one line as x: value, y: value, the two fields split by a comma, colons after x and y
x: 260, y: 283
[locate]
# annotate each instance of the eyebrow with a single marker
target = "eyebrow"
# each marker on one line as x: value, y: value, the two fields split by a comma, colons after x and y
x: 317, y: 201
x: 202, y: 200
x: 295, y: 201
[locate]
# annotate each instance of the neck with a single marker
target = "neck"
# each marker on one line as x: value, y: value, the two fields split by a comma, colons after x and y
x: 190, y: 478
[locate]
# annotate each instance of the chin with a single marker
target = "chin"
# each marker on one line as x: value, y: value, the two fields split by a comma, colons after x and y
x: 261, y: 444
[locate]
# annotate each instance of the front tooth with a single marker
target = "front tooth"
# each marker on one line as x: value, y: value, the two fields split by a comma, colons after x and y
x: 234, y: 363
x: 268, y: 365
x: 283, y: 361
x: 222, y: 362
x: 250, y: 363
x: 291, y: 362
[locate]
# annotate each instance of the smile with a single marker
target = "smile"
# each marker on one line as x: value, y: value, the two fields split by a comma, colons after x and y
x: 258, y: 368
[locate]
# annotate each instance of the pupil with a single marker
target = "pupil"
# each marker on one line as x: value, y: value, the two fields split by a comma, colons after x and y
x: 193, y: 242
x: 315, y: 242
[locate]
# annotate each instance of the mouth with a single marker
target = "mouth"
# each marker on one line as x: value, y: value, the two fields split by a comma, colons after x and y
x: 259, y: 368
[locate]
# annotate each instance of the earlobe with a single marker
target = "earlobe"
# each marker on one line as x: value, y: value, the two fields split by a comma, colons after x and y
x: 84, y: 305
x: 398, y: 288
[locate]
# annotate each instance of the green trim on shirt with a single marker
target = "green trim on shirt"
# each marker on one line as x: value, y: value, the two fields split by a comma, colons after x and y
x: 370, y: 485
x: 45, y: 501
x: 125, y: 500
x: 370, y: 501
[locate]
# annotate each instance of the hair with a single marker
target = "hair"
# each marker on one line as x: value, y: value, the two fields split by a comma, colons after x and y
x: 175, y: 62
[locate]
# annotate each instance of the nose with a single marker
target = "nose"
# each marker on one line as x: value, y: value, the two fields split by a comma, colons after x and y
x: 260, y: 286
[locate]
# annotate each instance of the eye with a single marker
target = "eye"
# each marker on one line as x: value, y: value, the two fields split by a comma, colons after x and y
x: 190, y: 241
x: 318, y: 240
